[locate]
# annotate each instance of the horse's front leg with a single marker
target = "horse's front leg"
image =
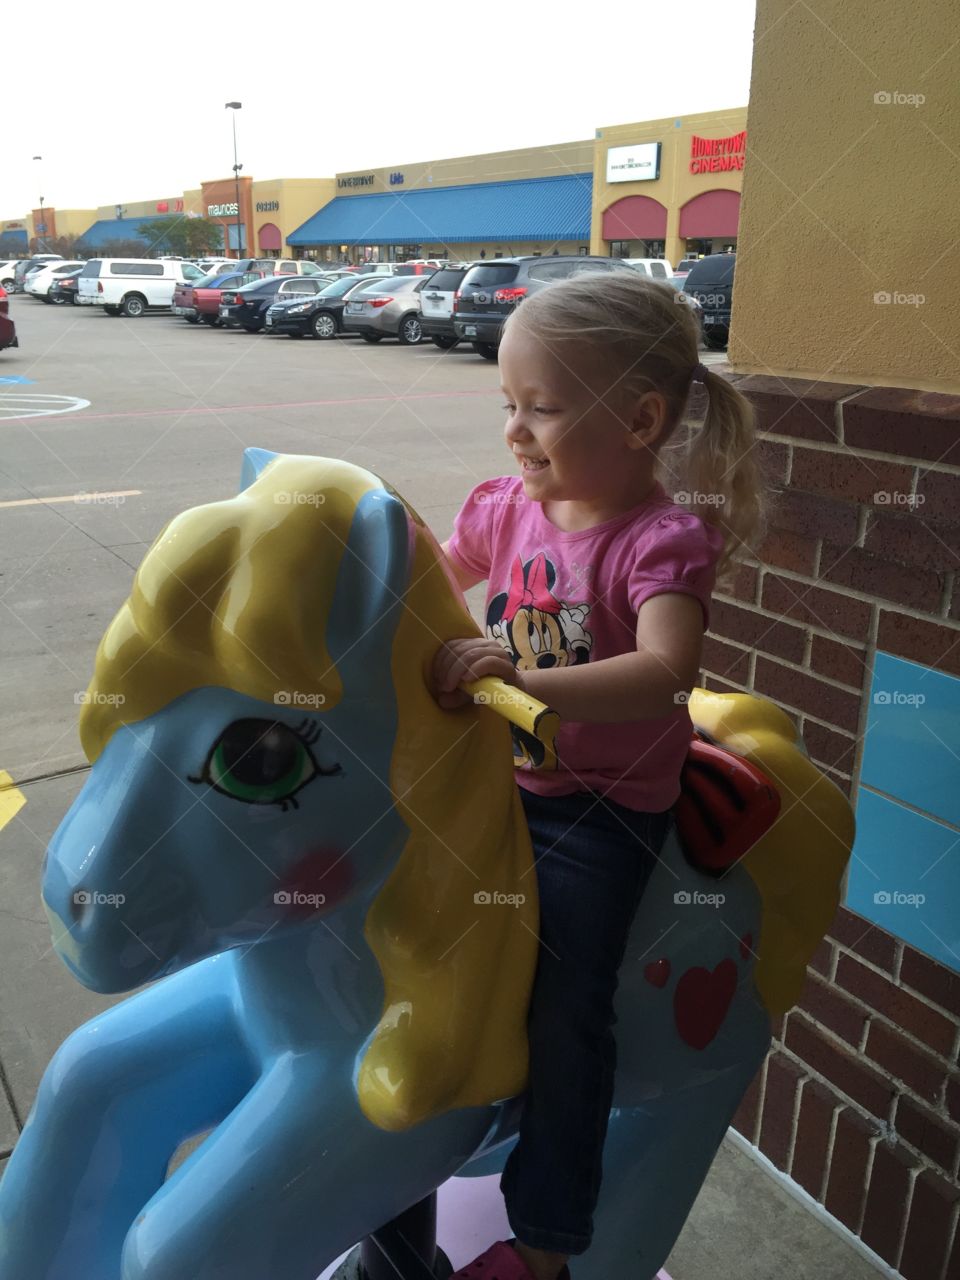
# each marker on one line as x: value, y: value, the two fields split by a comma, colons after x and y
x: 293, y: 1177
x: 118, y: 1098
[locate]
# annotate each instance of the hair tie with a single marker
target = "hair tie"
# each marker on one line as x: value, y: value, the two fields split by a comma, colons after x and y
x: 699, y: 373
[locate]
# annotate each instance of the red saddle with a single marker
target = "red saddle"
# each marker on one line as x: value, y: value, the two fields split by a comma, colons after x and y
x: 726, y: 804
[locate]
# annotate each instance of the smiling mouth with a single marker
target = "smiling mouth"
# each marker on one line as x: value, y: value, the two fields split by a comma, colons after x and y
x: 531, y: 464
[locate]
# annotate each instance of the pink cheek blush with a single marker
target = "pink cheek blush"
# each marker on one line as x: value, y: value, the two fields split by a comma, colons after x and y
x: 316, y: 883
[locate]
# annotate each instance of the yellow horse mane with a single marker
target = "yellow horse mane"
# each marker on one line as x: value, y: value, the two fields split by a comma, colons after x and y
x: 237, y: 594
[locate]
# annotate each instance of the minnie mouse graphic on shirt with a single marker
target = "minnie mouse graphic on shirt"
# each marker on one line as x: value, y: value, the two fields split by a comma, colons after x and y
x: 538, y: 631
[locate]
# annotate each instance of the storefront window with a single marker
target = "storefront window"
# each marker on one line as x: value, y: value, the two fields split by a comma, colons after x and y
x: 619, y: 248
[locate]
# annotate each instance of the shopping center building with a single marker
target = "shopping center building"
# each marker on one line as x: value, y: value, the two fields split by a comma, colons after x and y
x: 662, y: 188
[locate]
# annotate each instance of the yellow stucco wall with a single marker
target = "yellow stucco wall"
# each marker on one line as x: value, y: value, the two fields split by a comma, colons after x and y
x: 73, y: 222
x: 849, y: 195
x: 676, y: 184
x: 298, y: 198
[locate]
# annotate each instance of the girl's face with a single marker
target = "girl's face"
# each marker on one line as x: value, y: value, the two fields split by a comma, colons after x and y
x: 569, y: 432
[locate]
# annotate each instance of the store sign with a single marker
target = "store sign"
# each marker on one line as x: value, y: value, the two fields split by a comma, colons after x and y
x: 163, y: 206
x: 396, y: 179
x: 268, y: 206
x: 365, y: 181
x: 639, y: 163
x: 717, y: 155
x: 222, y: 210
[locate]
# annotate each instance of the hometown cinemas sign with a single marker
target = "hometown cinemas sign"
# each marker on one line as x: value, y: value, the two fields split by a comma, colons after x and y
x: 717, y: 155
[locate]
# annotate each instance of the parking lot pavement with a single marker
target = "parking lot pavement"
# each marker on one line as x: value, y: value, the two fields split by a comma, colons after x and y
x: 83, y: 493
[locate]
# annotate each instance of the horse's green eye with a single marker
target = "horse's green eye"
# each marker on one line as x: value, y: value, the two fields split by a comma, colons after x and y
x: 262, y: 762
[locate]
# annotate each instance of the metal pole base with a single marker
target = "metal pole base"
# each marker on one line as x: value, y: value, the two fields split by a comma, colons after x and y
x: 404, y: 1249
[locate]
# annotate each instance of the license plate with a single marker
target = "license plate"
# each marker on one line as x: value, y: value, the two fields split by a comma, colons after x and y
x: 711, y: 319
x: 269, y: 321
x: 179, y: 311
x: 224, y: 313
x: 469, y: 330
x: 354, y: 307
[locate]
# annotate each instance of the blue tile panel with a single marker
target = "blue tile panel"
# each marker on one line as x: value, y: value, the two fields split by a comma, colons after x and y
x: 905, y: 870
x: 912, y: 744
x: 905, y: 876
x: 527, y: 209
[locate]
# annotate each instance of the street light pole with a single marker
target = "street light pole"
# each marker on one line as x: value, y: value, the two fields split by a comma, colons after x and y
x: 235, y: 107
x: 42, y: 228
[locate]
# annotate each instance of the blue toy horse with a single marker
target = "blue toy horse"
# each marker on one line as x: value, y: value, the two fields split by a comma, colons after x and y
x: 337, y: 877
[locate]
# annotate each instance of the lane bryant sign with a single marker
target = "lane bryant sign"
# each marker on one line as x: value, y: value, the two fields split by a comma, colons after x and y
x: 717, y: 155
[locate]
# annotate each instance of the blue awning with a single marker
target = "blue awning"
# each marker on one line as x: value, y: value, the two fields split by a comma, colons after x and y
x: 107, y: 229
x: 15, y: 238
x: 526, y: 209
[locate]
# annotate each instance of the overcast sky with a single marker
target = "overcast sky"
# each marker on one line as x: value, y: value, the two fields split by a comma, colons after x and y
x: 127, y: 103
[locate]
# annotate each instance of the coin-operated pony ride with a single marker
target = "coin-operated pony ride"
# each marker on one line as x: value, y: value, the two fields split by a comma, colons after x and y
x: 332, y: 879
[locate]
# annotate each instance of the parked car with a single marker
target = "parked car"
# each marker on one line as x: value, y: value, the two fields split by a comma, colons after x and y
x: 490, y: 290
x: 26, y: 265
x: 209, y: 265
x: 391, y: 310
x: 6, y: 274
x: 8, y: 330
x: 39, y: 282
x: 437, y: 302
x: 684, y: 265
x: 710, y: 282
x: 419, y: 267
x: 4, y: 302
x: 200, y: 299
x: 657, y: 268
x: 208, y: 293
x: 321, y: 316
x: 133, y: 286
x: 64, y: 287
x: 247, y: 306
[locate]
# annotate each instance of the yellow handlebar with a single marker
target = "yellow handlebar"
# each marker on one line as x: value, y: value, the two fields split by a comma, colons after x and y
x: 519, y: 708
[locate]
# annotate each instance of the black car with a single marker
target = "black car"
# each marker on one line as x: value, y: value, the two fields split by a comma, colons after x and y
x: 64, y: 288
x: 710, y: 281
x: 322, y: 316
x: 247, y: 306
x: 490, y: 291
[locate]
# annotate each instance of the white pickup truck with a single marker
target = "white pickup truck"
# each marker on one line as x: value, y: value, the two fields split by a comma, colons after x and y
x: 133, y: 286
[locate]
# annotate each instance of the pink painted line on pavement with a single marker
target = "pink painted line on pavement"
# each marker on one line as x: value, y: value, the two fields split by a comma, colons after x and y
x: 280, y: 404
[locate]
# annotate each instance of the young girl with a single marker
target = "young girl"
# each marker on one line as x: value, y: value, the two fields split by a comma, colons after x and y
x: 598, y: 598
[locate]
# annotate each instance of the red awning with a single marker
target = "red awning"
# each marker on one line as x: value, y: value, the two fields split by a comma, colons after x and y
x: 269, y: 236
x: 635, y: 218
x: 714, y: 213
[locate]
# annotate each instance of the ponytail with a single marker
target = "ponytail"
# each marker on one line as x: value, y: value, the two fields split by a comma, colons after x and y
x: 719, y: 462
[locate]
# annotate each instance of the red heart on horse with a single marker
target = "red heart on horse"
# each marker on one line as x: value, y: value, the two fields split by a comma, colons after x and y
x: 701, y: 1000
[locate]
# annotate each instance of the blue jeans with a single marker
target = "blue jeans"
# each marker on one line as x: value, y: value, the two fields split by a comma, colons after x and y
x: 593, y: 860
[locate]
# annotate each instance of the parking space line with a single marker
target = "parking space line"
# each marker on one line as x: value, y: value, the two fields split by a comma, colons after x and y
x: 279, y: 404
x: 11, y: 799
x: 81, y: 499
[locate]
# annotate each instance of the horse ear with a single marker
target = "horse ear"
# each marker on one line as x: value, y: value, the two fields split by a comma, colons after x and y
x: 254, y: 461
x: 372, y: 579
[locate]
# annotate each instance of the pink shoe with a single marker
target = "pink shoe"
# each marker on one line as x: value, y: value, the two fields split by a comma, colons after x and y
x: 500, y: 1262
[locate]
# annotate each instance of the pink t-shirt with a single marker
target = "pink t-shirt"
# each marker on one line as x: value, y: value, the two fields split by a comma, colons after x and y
x: 561, y: 599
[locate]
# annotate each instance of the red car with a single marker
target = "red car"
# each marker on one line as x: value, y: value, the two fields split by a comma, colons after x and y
x: 201, y: 301
x: 8, y: 330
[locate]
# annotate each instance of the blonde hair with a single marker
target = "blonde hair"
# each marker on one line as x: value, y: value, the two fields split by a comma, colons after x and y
x: 646, y: 338
x: 238, y: 595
